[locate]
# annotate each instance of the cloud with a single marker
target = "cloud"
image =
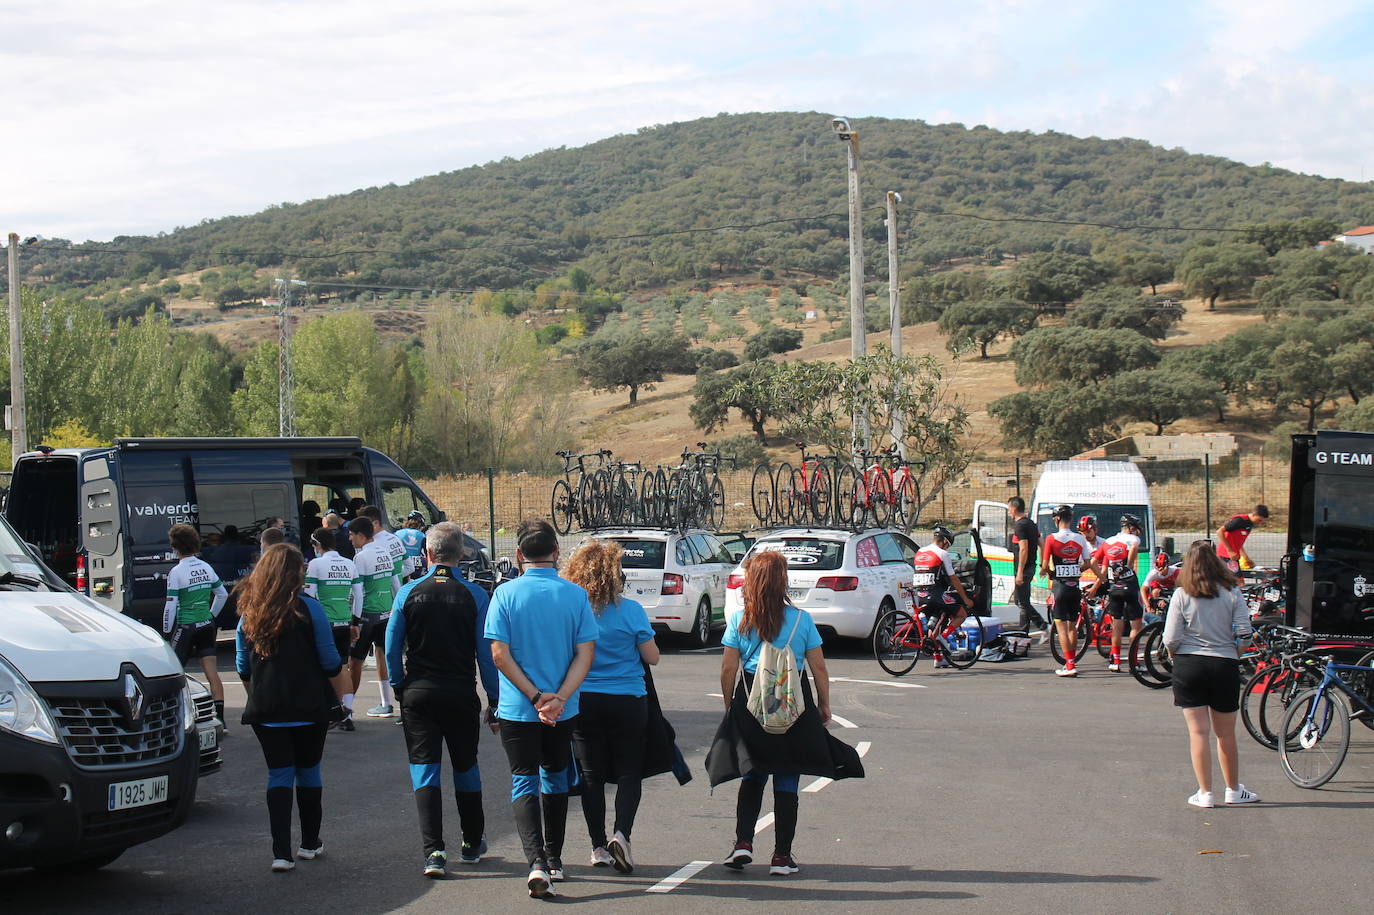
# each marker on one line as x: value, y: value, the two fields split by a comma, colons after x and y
x: 158, y: 113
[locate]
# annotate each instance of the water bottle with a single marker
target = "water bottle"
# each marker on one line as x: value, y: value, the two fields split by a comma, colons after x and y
x: 1309, y: 553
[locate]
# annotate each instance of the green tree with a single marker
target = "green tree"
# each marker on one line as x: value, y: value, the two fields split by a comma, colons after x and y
x: 1352, y: 367
x: 1162, y: 396
x: 770, y: 341
x: 983, y: 323
x: 1083, y: 356
x: 1117, y: 308
x: 1302, y: 377
x: 1055, y: 277
x: 748, y: 389
x: 1058, y: 422
x: 64, y: 343
x: 1212, y: 271
x: 634, y: 361
x: 1273, y: 237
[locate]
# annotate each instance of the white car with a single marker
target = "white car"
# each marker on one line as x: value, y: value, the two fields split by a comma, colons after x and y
x: 844, y: 579
x: 679, y: 577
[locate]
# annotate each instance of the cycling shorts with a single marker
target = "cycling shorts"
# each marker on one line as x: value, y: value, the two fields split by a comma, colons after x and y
x: 194, y: 640
x: 343, y: 639
x: 372, y: 633
x: 1123, y: 602
x: 1068, y: 601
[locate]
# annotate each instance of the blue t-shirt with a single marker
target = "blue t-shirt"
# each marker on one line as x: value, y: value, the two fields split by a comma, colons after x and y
x: 543, y: 618
x: 623, y: 626
x: 748, y: 643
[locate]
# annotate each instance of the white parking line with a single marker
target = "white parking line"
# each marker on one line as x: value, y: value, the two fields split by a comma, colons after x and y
x: 862, y: 747
x: 842, y: 722
x: 817, y: 785
x: 763, y: 822
x: 678, y: 877
x: 879, y: 683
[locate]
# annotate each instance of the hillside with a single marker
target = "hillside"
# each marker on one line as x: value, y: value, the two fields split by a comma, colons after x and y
x: 515, y: 223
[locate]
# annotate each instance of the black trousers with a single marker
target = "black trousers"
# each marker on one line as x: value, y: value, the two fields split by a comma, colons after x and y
x: 609, y: 741
x: 540, y: 759
x: 1030, y: 617
x: 293, y: 757
x: 432, y: 719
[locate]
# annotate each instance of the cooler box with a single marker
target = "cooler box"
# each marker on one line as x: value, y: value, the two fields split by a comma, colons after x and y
x: 967, y: 637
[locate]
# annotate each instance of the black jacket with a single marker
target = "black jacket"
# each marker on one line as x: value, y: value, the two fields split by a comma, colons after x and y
x: 292, y: 684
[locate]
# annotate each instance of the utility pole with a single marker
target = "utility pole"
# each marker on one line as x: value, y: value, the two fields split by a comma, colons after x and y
x: 18, y: 414
x: 858, y: 330
x: 286, y: 378
x: 894, y: 309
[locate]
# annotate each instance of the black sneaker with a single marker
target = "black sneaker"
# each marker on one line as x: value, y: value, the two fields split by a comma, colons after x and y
x: 783, y: 866
x: 347, y: 724
x: 742, y: 854
x: 436, y: 865
x: 472, y: 854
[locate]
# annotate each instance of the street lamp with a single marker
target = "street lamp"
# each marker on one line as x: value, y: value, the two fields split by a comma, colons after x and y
x: 858, y: 330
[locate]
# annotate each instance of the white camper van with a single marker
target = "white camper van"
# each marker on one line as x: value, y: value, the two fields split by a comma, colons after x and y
x: 1104, y: 489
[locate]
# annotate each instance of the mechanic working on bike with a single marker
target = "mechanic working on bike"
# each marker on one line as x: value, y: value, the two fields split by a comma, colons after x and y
x: 936, y: 584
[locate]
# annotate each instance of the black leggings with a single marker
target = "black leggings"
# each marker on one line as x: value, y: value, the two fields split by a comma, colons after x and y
x: 293, y: 758
x: 609, y: 742
x: 540, y: 759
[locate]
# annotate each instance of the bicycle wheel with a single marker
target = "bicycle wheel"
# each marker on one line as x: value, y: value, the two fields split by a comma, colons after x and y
x: 800, y: 512
x: 644, y: 510
x: 618, y: 500
x: 715, y: 513
x: 1273, y: 705
x: 1145, y: 642
x: 908, y: 503
x: 844, y: 499
x: 880, y: 499
x: 661, y: 503
x: 784, y: 499
x: 820, y: 494
x: 1316, y: 737
x: 896, y: 642
x: 1363, y: 683
x: 1102, y: 634
x: 761, y: 496
x: 959, y: 652
x: 1253, y: 692
x: 1082, y: 630
x: 561, y: 507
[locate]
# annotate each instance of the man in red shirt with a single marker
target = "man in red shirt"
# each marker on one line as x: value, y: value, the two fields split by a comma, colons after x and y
x: 1232, y: 535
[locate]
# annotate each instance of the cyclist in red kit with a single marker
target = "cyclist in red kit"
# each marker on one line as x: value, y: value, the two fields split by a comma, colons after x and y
x: 1062, y: 560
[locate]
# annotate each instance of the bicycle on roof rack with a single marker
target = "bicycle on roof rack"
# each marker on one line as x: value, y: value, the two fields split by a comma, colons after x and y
x: 581, y: 496
x: 695, y: 492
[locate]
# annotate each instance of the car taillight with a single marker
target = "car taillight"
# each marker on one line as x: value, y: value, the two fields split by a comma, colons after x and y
x: 81, y: 572
x: 839, y: 583
x: 672, y: 583
x: 736, y: 580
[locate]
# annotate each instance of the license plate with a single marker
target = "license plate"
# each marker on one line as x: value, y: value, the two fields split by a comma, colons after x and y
x: 139, y: 793
x: 796, y: 593
x: 209, y: 739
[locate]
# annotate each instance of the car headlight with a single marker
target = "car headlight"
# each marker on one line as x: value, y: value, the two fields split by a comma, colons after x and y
x: 188, y: 709
x: 22, y: 712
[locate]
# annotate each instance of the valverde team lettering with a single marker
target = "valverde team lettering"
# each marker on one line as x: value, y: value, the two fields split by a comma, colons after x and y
x: 1342, y: 452
x: 184, y: 513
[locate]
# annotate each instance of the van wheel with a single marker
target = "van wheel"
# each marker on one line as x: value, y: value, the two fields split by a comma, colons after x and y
x: 82, y: 865
x: 700, y: 636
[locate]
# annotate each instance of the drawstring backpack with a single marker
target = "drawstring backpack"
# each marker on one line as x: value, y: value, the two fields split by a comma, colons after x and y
x: 775, y: 698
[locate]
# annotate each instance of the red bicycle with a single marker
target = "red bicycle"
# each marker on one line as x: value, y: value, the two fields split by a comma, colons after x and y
x: 872, y: 502
x: 808, y: 491
x: 900, y: 637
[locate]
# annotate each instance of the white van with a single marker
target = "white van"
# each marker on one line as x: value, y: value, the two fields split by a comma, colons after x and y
x: 98, y: 735
x: 1104, y: 489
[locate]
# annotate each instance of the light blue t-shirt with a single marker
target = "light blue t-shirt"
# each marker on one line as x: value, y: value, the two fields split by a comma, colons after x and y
x: 413, y: 540
x: 543, y: 618
x: 623, y: 626
x: 748, y: 643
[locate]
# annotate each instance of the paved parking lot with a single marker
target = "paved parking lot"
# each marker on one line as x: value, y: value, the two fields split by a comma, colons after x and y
x: 997, y: 789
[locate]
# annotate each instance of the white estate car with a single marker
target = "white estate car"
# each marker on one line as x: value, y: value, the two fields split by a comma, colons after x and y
x: 844, y: 579
x: 679, y: 577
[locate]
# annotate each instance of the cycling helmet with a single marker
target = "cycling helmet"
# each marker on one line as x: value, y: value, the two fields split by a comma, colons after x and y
x: 1063, y: 511
x: 1130, y: 521
x: 943, y: 533
x: 415, y: 515
x: 1086, y: 522
x: 1161, y: 560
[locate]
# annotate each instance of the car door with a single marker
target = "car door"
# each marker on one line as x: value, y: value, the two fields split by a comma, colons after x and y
x: 974, y: 569
x: 688, y: 567
x: 993, y: 523
x: 719, y: 563
x: 895, y: 564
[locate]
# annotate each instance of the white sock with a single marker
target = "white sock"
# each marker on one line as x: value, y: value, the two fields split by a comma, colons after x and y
x: 348, y: 701
x: 386, y: 691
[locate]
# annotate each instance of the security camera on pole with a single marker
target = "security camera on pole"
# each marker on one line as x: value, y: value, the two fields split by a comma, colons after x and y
x: 858, y: 337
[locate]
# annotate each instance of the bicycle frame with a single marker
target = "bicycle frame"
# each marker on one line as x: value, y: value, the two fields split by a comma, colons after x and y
x: 1331, y: 677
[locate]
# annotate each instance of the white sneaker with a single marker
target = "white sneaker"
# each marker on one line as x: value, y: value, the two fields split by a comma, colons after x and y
x: 309, y: 854
x: 620, y: 851
x: 280, y: 865
x: 381, y: 711
x: 1114, y: 667
x: 1203, y: 799
x: 539, y: 883
x: 601, y: 857
x: 1241, y: 795
x: 1044, y: 637
x: 1066, y: 672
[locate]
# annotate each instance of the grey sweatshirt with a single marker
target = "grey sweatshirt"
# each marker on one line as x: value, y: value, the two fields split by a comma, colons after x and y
x: 1206, y: 625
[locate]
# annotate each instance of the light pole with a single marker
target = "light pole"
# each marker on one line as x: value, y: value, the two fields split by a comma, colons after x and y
x: 18, y: 414
x: 858, y: 331
x: 894, y: 309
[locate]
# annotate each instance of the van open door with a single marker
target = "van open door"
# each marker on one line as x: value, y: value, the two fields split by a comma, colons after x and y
x: 993, y: 522
x: 102, y: 537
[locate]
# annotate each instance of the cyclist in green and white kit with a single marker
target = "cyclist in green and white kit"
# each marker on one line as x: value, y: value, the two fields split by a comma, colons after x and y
x: 389, y: 543
x: 333, y: 581
x: 194, y: 597
x: 378, y: 573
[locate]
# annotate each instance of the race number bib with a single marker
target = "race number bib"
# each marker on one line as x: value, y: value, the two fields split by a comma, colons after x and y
x: 1066, y: 570
x: 923, y: 579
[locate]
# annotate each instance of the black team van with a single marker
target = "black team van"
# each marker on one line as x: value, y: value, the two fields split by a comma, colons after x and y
x: 99, y: 516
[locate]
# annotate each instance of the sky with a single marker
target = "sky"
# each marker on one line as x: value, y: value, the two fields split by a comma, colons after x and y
x: 141, y: 116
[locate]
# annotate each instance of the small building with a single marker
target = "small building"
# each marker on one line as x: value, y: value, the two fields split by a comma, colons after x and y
x: 1361, y: 237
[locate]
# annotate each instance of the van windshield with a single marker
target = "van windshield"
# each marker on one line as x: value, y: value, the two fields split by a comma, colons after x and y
x: 1108, y: 520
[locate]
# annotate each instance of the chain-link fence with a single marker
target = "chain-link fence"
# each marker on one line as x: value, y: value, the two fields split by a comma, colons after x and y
x: 1190, y: 499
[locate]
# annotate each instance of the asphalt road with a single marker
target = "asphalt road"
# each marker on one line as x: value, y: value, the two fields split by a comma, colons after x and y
x: 997, y: 789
